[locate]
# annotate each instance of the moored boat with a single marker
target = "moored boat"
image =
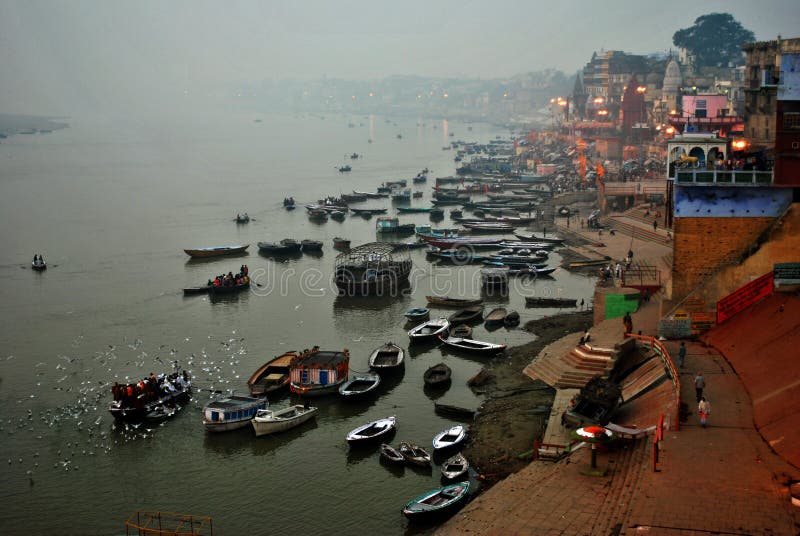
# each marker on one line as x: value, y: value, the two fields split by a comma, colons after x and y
x: 370, y: 269
x: 438, y: 375
x: 311, y: 245
x: 271, y: 376
x: 229, y: 412
x: 494, y: 277
x: 455, y: 467
x: 216, y: 251
x: 267, y: 421
x: 496, y: 317
x: 372, y: 431
x: 387, y: 358
x: 341, y: 243
x: 462, y: 331
x: 319, y: 372
x: 391, y: 454
x: 418, y: 314
x: 271, y: 248
x: 414, y: 454
x: 445, y: 301
x: 429, y: 330
x: 360, y: 386
x: 473, y: 313
x: 511, y: 319
x: 473, y: 346
x: 531, y: 301
x: 449, y: 438
x: 436, y: 503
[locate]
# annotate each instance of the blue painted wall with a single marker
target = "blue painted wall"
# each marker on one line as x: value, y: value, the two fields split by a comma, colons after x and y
x: 732, y: 202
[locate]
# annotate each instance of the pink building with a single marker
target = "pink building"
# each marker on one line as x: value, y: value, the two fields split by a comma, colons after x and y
x: 705, y: 113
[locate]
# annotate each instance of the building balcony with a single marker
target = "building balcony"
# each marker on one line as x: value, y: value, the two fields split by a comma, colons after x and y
x: 722, y: 177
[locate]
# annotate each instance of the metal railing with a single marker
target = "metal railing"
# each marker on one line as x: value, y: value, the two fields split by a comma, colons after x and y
x: 723, y: 177
x: 657, y: 347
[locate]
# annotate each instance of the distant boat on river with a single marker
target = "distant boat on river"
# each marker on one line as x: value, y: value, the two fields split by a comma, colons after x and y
x: 216, y: 251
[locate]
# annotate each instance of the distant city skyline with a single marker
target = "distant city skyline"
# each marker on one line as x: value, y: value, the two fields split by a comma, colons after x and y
x: 59, y: 55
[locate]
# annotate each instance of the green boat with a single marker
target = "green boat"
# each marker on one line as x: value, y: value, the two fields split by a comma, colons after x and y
x: 437, y: 502
x: 413, y: 210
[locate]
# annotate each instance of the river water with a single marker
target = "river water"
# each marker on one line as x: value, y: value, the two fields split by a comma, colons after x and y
x: 111, y: 205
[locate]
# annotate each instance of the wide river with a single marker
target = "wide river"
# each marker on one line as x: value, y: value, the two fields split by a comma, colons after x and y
x: 111, y: 205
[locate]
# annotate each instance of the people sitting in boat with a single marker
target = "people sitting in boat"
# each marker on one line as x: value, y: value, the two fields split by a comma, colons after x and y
x: 35, y: 258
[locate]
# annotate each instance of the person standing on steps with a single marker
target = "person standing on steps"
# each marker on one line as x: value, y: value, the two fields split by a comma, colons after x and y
x: 699, y: 385
x: 627, y: 321
x: 703, y: 410
x: 655, y: 225
x: 682, y: 354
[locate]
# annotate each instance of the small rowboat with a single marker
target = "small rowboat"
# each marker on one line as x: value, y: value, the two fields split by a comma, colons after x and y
x: 455, y: 467
x: 473, y: 346
x: 462, y: 331
x: 496, y: 317
x: 228, y: 289
x: 444, y: 301
x: 438, y: 375
x: 360, y: 387
x: 418, y: 314
x: 449, y: 438
x: 473, y: 313
x: 341, y: 243
x: 437, y: 502
x: 271, y: 376
x: 429, y: 330
x: 311, y: 245
x: 414, y: 454
x: 372, y: 431
x: 387, y: 358
x: 391, y: 454
x: 511, y: 319
x: 39, y: 266
x: 269, y: 421
x: 196, y: 290
x: 549, y: 302
x: 216, y: 251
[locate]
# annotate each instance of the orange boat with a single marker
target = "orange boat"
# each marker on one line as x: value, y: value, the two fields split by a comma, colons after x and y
x: 271, y: 376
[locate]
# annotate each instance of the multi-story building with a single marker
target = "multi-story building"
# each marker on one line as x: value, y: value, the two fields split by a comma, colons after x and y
x: 762, y: 74
x: 606, y: 77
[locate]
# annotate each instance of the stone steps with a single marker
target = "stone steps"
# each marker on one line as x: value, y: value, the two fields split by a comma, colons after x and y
x: 643, y: 377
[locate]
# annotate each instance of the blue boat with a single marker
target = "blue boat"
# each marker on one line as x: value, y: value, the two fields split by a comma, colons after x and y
x: 418, y: 313
x: 438, y: 502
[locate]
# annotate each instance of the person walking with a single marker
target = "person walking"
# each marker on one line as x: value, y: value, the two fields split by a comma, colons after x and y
x: 703, y: 410
x: 699, y: 385
x: 682, y: 354
x: 655, y: 225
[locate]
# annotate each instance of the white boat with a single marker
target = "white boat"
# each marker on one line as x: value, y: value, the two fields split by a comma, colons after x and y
x: 230, y: 412
x: 450, y: 437
x: 269, y: 421
x: 429, y: 330
x: 372, y: 431
x: 455, y: 467
x: 387, y: 358
x: 473, y: 346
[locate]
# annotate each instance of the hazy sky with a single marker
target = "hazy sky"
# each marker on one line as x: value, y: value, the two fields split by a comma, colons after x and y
x: 57, y: 56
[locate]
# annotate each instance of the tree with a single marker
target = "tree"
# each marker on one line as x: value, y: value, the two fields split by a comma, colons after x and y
x: 715, y: 40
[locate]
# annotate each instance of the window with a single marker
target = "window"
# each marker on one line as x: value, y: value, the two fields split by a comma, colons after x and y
x: 701, y: 104
x: 700, y: 113
x: 791, y: 120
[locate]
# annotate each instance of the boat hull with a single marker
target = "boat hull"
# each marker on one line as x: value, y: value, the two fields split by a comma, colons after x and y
x: 261, y: 426
x: 216, y: 252
x: 316, y: 390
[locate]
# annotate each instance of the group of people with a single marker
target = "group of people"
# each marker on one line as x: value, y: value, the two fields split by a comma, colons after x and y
x: 150, y: 388
x: 229, y: 279
x: 288, y: 201
x: 38, y: 259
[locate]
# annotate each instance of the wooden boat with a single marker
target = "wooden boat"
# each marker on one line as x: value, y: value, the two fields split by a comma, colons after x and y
x: 269, y: 421
x: 413, y: 210
x: 353, y: 198
x: 459, y: 256
x: 457, y: 412
x: 371, y: 211
x: 455, y: 467
x: 496, y: 316
x: 271, y: 248
x: 319, y: 372
x: 360, y: 387
x: 272, y: 376
x: 196, y: 290
x: 136, y: 407
x: 39, y: 265
x: 473, y: 313
x: 337, y: 215
x: 242, y: 219
x: 341, y: 243
x: 533, y: 238
x: 589, y: 263
x: 489, y: 227
x: 444, y: 301
x: 244, y: 284
x: 311, y: 245
x: 436, y: 213
x: 436, y: 503
x: 371, y: 195
x: 376, y: 268
x: 387, y: 358
x: 393, y: 225
x: 373, y: 431
x: 462, y: 331
x: 455, y: 243
x: 429, y: 330
x: 473, y: 346
x: 216, y: 251
x: 449, y: 438
x: 531, y: 271
x: 391, y: 454
x: 414, y: 454
x: 230, y: 412
x: 438, y: 375
x: 318, y: 215
x: 401, y: 195
x: 416, y: 195
x: 550, y: 302
x: 161, y: 413
x: 418, y: 314
x: 511, y: 319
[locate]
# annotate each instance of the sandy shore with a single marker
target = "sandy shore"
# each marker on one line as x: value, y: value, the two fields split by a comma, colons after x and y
x: 515, y: 411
